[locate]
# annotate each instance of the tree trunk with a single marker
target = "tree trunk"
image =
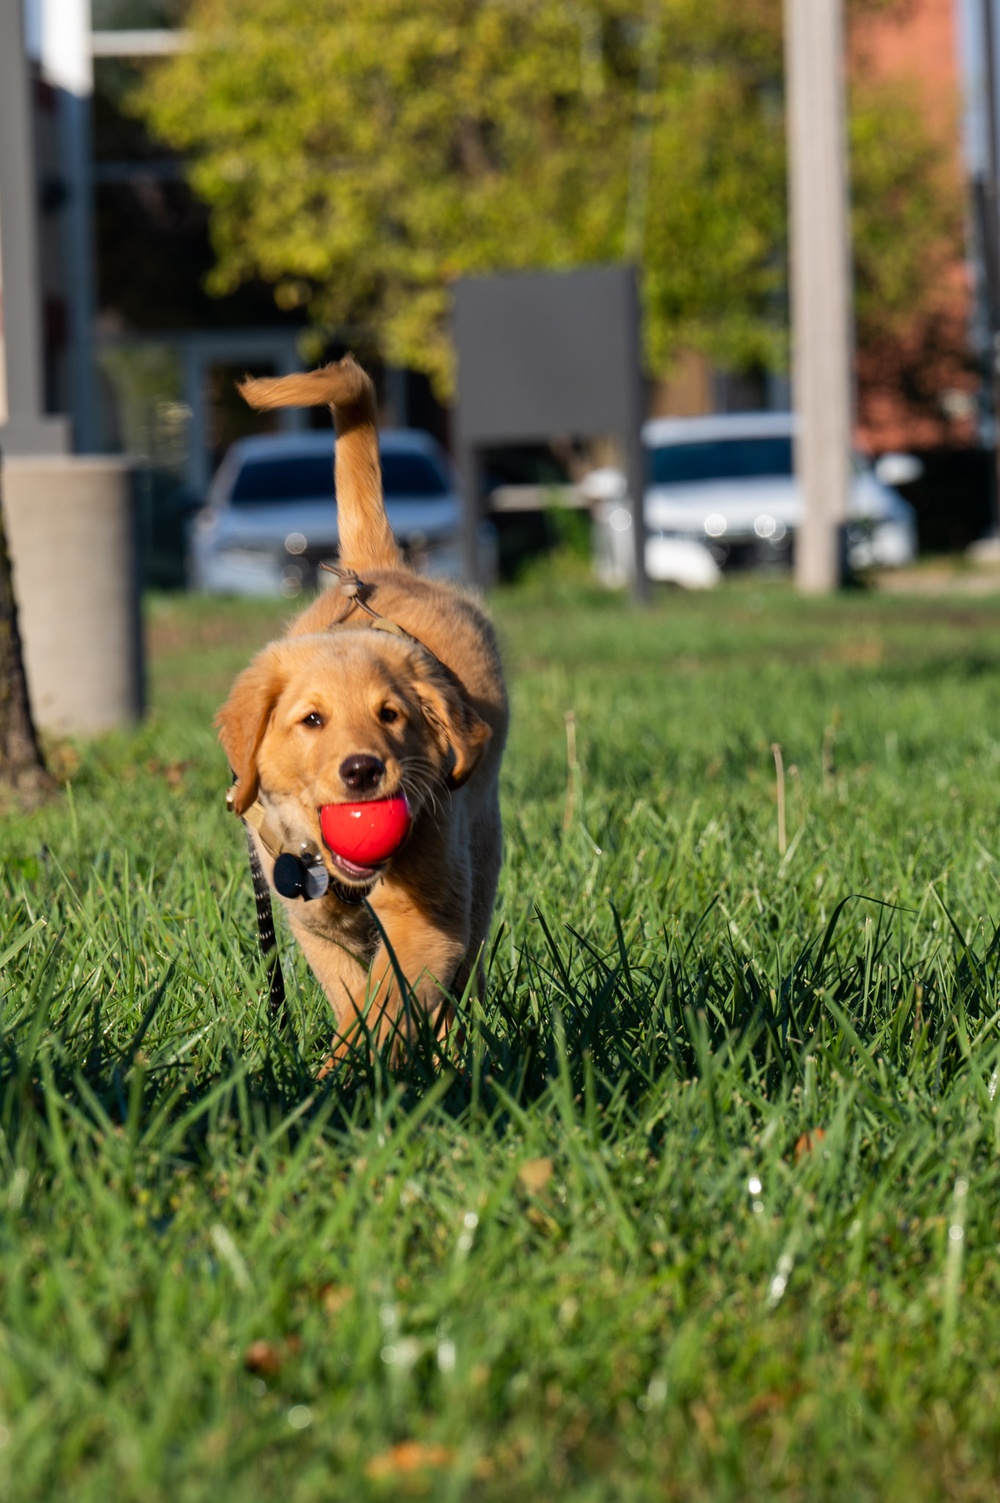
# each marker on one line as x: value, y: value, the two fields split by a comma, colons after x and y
x: 22, y: 767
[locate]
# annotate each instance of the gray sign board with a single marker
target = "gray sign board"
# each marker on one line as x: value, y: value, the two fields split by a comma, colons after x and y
x: 547, y: 354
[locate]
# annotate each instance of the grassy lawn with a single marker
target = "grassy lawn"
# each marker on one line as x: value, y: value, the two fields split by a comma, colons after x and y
x: 710, y: 1214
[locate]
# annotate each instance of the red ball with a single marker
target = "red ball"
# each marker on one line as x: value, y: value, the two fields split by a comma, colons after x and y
x: 365, y: 833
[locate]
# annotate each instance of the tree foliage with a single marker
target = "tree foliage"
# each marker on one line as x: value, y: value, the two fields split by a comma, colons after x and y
x: 362, y: 157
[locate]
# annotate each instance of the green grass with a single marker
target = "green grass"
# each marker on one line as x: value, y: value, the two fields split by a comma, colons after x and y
x: 711, y: 1211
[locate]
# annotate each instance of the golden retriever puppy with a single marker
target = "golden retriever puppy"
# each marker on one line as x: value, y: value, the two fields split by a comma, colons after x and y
x: 388, y: 686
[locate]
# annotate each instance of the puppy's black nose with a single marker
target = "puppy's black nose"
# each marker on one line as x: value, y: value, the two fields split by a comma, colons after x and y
x: 362, y: 773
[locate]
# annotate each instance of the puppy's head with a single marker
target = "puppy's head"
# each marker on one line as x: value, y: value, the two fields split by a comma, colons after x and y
x: 344, y: 717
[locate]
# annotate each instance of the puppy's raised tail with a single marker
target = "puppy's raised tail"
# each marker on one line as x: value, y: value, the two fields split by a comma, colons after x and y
x: 366, y: 540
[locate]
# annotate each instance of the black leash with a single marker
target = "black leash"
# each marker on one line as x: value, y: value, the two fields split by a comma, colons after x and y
x: 265, y: 932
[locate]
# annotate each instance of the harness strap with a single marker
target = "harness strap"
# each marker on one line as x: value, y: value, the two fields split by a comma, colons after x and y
x: 356, y: 593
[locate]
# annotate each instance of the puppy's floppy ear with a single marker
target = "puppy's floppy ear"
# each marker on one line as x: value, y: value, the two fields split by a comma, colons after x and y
x: 459, y: 732
x: 242, y: 721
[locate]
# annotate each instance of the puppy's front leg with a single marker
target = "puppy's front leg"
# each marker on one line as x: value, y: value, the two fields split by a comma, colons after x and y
x: 425, y: 941
x: 338, y: 942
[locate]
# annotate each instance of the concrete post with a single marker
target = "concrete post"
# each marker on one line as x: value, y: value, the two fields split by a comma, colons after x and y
x: 70, y: 529
x: 69, y: 520
x: 822, y: 341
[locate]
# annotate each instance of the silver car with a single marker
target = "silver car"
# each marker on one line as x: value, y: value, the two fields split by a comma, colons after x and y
x: 270, y: 522
x: 729, y: 483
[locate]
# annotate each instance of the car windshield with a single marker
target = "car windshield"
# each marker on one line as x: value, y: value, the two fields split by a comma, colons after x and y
x: 412, y: 475
x: 721, y: 459
x: 309, y: 477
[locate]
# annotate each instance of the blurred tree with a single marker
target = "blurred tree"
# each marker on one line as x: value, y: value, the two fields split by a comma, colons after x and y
x: 359, y: 158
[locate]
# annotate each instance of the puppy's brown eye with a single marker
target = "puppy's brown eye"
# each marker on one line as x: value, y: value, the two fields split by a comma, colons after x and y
x: 387, y: 715
x: 313, y: 720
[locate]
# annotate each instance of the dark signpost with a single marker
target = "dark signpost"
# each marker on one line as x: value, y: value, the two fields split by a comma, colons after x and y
x: 541, y: 355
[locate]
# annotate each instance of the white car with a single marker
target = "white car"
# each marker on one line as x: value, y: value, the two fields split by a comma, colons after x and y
x: 270, y: 519
x: 726, y: 486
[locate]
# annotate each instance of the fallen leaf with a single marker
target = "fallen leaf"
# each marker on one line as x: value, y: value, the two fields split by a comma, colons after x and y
x: 267, y: 1358
x: 264, y: 1358
x: 407, y: 1457
x: 808, y: 1142
x: 335, y: 1296
x: 534, y: 1175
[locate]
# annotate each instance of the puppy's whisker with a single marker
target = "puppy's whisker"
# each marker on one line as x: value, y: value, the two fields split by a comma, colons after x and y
x: 420, y: 788
x: 425, y: 775
x: 421, y: 782
x: 426, y: 782
x: 423, y: 765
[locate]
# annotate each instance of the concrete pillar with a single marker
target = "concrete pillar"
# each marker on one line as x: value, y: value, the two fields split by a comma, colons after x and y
x: 822, y: 315
x: 70, y: 527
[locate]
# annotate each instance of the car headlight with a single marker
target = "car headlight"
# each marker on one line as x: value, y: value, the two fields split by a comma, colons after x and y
x: 769, y: 529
